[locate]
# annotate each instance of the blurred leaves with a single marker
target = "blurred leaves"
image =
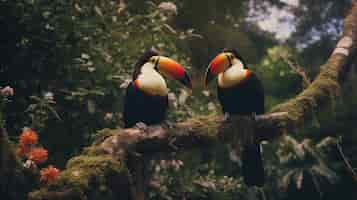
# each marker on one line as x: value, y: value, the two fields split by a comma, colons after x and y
x: 287, y: 82
x: 41, y: 110
x: 306, y: 172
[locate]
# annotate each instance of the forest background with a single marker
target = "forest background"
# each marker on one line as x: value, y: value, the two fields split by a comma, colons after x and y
x: 69, y: 62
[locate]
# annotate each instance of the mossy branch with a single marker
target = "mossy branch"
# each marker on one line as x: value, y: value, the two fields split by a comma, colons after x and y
x: 102, y: 168
x: 326, y: 85
x: 108, y: 157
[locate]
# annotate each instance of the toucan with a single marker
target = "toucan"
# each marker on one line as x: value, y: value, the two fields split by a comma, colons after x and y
x: 146, y: 98
x: 240, y: 92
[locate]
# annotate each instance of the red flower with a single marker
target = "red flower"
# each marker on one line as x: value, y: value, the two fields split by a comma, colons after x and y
x: 49, y: 174
x: 28, y: 137
x: 38, y: 155
x: 22, y: 150
x: 7, y: 91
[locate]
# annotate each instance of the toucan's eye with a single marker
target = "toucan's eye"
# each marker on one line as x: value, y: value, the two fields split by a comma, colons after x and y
x: 155, y: 62
x: 231, y: 56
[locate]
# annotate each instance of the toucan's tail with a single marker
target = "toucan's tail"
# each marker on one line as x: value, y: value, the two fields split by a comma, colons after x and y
x: 252, y: 165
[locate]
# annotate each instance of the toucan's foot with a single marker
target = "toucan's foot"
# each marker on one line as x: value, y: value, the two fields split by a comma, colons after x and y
x: 234, y: 156
x: 253, y: 193
x: 169, y: 124
x: 254, y: 116
x: 141, y: 125
x: 226, y: 116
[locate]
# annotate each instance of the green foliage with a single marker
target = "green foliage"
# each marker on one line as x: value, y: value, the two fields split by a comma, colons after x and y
x: 306, y: 171
x: 15, y: 181
x: 195, y: 175
x: 279, y: 79
x: 79, y: 53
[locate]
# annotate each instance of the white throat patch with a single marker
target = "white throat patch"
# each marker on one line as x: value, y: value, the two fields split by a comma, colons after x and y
x: 233, y: 75
x: 151, y: 82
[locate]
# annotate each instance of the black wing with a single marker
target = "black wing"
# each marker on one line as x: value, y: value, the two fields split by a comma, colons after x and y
x: 259, y: 93
x: 245, y: 98
x: 129, y: 114
x: 141, y: 107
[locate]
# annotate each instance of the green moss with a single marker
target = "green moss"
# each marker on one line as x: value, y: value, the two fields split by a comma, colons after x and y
x: 88, y: 176
x: 81, y: 169
x: 99, y: 137
x: 206, y: 123
x: 103, y: 134
x: 323, y: 90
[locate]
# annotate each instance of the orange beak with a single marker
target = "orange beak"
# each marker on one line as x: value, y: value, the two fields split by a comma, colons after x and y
x: 171, y: 69
x: 218, y: 65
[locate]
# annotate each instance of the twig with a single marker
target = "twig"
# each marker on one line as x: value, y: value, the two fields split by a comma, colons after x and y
x: 345, y: 160
x: 262, y: 193
x: 299, y: 70
x: 271, y: 116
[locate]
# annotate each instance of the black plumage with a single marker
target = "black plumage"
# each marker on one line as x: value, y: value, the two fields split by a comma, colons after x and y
x: 140, y: 106
x: 246, y: 98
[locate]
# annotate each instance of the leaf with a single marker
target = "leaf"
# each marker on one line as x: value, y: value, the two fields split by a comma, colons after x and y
x: 299, y: 179
x: 282, y: 73
x: 97, y: 92
x: 288, y: 178
x: 170, y: 29
x: 91, y: 106
x: 206, y: 93
x: 85, y: 56
x: 183, y: 96
x: 78, y: 8
x: 46, y: 14
x: 326, y: 144
x: 54, y: 112
x: 125, y: 83
x: 98, y: 11
x: 324, y: 171
x: 211, y: 106
x: 121, y: 7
